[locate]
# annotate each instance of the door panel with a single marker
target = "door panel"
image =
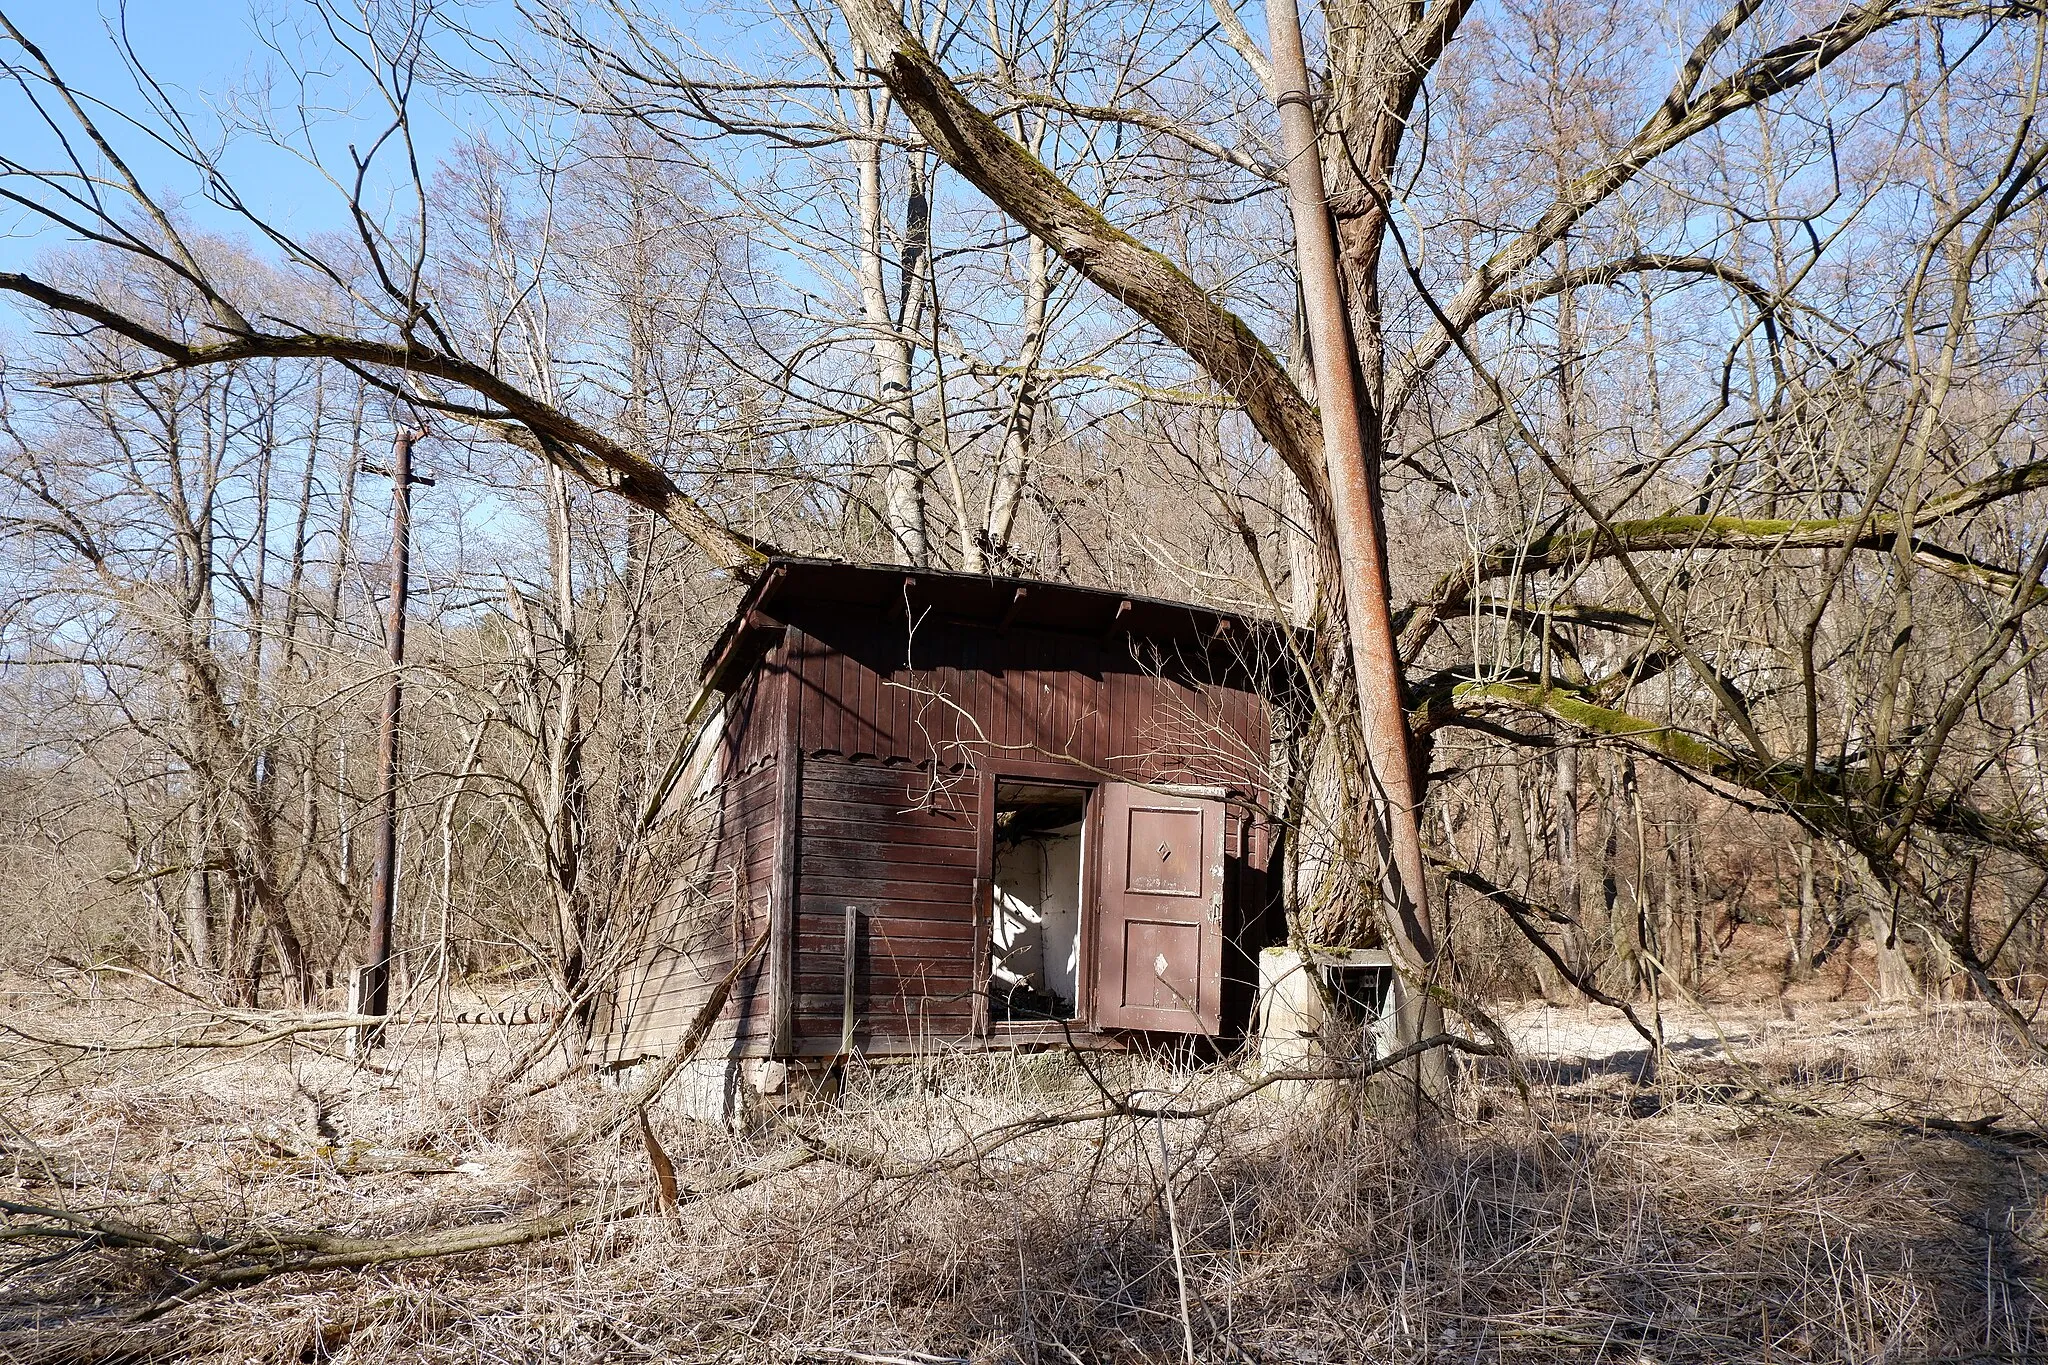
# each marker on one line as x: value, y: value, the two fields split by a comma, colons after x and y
x: 1159, y: 920
x: 1166, y: 852
x: 1163, y: 966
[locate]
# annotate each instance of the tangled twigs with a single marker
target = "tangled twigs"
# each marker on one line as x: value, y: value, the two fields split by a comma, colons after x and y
x: 988, y: 1142
x: 1524, y: 913
x: 206, y: 1263
x: 198, y: 1037
x: 635, y: 1101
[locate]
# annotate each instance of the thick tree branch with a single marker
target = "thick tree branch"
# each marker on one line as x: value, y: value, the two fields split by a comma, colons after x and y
x: 1652, y: 535
x: 1840, y: 803
x: 1639, y: 263
x: 1113, y: 260
x: 207, y: 1263
x: 549, y: 432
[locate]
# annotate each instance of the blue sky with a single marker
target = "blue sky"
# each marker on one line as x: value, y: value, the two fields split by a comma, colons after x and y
x: 205, y: 56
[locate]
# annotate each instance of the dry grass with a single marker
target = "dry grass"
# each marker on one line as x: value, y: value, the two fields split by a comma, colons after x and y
x: 1783, y: 1206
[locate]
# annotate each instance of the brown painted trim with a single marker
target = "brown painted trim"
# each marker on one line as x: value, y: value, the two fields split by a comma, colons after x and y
x: 747, y: 616
x: 784, y: 891
x: 984, y: 895
x: 1008, y: 768
x: 1006, y: 1038
x: 1043, y: 1035
x: 1092, y: 835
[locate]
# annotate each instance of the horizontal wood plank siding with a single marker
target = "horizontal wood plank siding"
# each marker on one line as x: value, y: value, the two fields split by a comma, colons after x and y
x: 911, y: 880
x: 716, y: 906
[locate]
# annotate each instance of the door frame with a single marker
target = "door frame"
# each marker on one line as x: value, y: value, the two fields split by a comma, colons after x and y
x: 986, y: 1028
x: 981, y: 938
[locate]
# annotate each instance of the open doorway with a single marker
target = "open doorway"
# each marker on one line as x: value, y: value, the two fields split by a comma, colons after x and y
x: 1034, y: 971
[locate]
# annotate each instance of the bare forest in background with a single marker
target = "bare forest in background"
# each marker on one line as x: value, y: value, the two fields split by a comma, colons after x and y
x: 1798, y: 371
x: 1704, y: 357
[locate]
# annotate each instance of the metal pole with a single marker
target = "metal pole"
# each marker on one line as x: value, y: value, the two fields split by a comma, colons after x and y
x: 374, y: 990
x: 1354, y: 502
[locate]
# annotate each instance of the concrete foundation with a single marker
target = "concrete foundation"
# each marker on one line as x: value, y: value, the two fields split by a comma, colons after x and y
x: 727, y: 1090
x: 1307, y: 999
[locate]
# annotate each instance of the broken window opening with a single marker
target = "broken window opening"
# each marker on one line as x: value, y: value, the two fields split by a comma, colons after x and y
x: 1358, y: 994
x: 1035, y: 938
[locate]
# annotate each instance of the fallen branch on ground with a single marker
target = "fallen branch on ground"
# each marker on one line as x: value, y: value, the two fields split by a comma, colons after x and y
x: 287, y: 1026
x: 207, y: 1263
x: 305, y: 1024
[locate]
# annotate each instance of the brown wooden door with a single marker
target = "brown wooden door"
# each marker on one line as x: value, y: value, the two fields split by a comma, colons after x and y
x: 1159, y: 912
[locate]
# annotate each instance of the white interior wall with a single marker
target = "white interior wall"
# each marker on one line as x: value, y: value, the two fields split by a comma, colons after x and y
x: 1018, y: 938
x: 1060, y: 908
x: 1037, y: 929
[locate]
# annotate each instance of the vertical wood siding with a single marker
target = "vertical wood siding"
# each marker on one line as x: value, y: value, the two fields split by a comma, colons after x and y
x: 957, y: 694
x: 897, y: 717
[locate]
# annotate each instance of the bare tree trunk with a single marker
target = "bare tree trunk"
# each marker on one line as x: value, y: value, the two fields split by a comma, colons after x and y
x: 1648, y: 942
x: 1620, y: 917
x: 1013, y: 462
x: 889, y: 338
x: 197, y: 906
x: 1679, y: 928
x: 1896, y: 979
x: 1805, y: 914
x: 566, y: 814
x: 1566, y: 871
x: 1304, y: 561
x: 1521, y: 845
x: 444, y: 952
x: 294, y: 969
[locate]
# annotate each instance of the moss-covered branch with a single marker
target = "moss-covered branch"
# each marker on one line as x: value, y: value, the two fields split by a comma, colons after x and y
x: 1119, y: 264
x: 1678, y: 533
x: 1841, y: 803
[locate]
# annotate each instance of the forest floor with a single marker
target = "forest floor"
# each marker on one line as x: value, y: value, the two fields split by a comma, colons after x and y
x: 1840, y: 1184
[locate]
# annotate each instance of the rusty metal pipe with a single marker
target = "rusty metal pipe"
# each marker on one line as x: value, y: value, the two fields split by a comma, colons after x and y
x: 1354, y: 499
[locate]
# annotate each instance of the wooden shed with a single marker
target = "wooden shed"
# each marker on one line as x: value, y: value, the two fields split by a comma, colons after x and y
x: 962, y: 810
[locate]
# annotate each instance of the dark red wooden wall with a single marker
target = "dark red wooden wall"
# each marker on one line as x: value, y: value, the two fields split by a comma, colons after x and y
x: 873, y: 728
x: 955, y: 694
x: 897, y: 714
